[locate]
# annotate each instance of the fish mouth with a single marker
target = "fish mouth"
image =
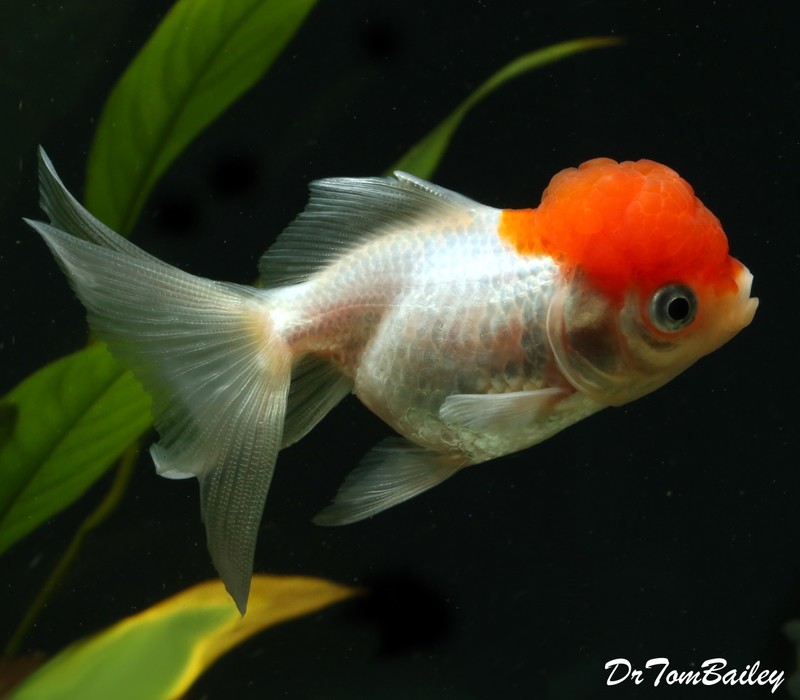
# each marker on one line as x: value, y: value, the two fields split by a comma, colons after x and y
x: 745, y: 306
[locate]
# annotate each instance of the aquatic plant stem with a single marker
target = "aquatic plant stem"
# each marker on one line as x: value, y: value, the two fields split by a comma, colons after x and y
x: 95, y: 518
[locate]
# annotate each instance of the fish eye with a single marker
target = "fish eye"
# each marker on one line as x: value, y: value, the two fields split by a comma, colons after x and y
x: 673, y: 307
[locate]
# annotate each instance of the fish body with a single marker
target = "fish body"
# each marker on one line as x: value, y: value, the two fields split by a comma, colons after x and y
x: 474, y: 332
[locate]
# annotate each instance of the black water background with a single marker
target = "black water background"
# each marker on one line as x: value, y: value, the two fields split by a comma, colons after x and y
x: 666, y: 528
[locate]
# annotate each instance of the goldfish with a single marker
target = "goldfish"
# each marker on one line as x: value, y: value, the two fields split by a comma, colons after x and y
x: 472, y: 331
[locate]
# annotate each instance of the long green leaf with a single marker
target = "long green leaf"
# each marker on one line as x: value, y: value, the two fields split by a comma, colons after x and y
x: 159, y: 653
x: 423, y: 157
x: 62, y: 428
x: 203, y: 55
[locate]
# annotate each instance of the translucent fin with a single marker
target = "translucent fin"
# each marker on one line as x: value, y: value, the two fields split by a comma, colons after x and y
x: 344, y: 212
x: 67, y: 214
x: 205, y: 351
x: 315, y: 389
x: 499, y: 414
x: 392, y: 472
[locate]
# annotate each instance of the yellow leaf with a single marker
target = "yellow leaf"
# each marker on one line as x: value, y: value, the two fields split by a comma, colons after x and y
x: 159, y: 653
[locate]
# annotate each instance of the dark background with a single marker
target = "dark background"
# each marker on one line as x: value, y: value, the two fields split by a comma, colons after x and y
x: 665, y: 528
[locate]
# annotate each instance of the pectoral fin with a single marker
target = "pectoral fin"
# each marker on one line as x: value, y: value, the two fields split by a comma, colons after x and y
x: 394, y: 471
x: 500, y: 414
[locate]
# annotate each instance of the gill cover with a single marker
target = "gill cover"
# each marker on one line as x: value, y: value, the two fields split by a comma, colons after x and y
x: 617, y: 354
x: 583, y: 335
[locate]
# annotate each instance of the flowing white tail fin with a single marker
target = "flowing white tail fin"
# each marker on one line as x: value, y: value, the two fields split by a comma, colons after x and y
x: 207, y: 354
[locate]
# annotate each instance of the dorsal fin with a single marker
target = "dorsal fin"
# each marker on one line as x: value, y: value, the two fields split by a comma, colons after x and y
x: 344, y: 212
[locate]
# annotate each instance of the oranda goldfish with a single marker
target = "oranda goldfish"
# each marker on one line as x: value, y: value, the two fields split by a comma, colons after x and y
x: 472, y: 331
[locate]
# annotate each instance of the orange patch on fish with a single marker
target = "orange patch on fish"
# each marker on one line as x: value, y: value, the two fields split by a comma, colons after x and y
x: 630, y: 224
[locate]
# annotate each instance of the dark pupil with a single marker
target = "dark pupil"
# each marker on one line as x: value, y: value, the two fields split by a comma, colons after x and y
x: 678, y: 308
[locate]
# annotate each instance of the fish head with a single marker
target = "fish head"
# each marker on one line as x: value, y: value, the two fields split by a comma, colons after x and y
x: 647, y: 286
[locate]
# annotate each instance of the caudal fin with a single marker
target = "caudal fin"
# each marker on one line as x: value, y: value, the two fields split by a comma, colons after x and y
x: 207, y: 354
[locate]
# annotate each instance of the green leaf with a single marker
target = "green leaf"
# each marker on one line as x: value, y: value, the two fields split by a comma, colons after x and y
x: 423, y: 158
x: 792, y: 630
x: 159, y: 653
x: 60, y: 429
x: 203, y: 55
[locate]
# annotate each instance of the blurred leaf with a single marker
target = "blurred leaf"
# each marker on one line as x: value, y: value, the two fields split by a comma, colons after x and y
x: 8, y: 422
x: 160, y: 652
x: 203, y: 55
x: 59, y: 571
x: 63, y: 427
x: 14, y: 670
x: 792, y: 630
x: 423, y: 158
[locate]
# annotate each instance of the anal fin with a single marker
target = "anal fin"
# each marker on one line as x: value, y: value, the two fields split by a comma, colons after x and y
x: 316, y: 387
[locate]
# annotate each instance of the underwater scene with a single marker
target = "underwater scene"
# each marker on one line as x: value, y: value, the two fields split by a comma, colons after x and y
x: 479, y: 309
